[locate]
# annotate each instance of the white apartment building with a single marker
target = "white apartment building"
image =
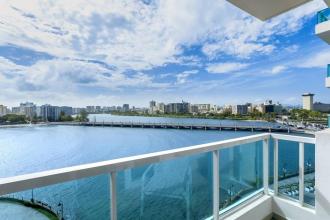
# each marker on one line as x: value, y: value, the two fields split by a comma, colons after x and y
x: 3, y: 110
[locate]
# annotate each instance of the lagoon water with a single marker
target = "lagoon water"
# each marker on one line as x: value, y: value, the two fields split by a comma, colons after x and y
x: 178, y: 189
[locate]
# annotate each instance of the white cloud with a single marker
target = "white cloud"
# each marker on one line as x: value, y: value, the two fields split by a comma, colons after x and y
x: 244, y: 36
x: 278, y: 69
x: 183, y: 77
x: 321, y: 59
x: 292, y: 49
x: 132, y: 35
x: 68, y: 76
x: 226, y: 67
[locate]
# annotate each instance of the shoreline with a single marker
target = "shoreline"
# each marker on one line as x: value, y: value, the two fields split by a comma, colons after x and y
x: 72, y: 123
x: 185, y: 116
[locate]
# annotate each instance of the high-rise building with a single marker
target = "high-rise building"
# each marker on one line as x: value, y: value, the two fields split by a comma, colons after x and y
x: 240, y: 109
x: 269, y: 107
x: 152, y: 104
x: 125, y: 108
x: 3, y: 110
x: 49, y: 112
x: 308, y: 101
x: 28, y: 109
x: 181, y: 107
x: 90, y: 109
x: 194, y: 108
x: 204, y: 108
x: 76, y: 111
x: 67, y: 110
x: 161, y: 108
x: 152, y: 107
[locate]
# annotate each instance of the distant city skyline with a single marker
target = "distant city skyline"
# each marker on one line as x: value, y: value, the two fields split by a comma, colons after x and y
x: 143, y: 50
x: 142, y: 105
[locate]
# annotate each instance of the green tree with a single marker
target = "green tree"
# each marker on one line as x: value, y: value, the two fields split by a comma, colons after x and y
x: 64, y: 117
x: 13, y: 119
x: 82, y: 116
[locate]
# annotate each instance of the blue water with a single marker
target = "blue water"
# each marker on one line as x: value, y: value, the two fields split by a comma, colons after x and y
x: 177, y: 189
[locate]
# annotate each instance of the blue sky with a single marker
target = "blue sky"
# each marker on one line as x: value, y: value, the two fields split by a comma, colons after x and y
x: 115, y: 52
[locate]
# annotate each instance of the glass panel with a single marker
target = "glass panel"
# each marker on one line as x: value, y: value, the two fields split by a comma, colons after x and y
x: 240, y: 172
x: 323, y: 15
x: 174, y: 189
x: 309, y: 179
x: 87, y: 198
x: 288, y: 168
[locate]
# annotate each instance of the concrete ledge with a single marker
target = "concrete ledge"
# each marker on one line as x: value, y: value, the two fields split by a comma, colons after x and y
x: 291, y: 209
x: 266, y: 9
x: 327, y: 82
x: 322, y: 30
x: 257, y: 210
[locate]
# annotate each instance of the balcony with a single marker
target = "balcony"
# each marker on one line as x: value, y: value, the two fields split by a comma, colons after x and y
x: 327, y: 2
x: 252, y: 177
x: 266, y: 9
x: 322, y: 28
x: 327, y: 79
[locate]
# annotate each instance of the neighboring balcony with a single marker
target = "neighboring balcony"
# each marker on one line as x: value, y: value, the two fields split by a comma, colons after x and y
x: 266, y: 9
x: 327, y: 80
x: 322, y: 29
x: 327, y: 2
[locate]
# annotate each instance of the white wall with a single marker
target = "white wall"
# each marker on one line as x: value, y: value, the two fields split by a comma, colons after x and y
x: 322, y: 174
x: 292, y: 210
x: 322, y: 30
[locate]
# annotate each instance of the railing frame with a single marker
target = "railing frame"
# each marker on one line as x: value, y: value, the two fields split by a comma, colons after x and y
x: 36, y: 180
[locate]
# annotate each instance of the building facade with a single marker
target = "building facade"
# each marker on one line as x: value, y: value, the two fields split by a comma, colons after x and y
x: 181, y: 108
x: 239, y: 109
x: 49, y: 113
x: 308, y: 100
x: 125, y: 108
x: 3, y: 110
x: 321, y: 107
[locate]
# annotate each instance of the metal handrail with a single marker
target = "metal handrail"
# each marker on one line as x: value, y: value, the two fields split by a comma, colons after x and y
x: 40, y: 179
x: 45, y: 178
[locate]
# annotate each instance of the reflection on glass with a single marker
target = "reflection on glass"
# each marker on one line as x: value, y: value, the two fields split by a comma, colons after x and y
x: 80, y: 199
x: 288, y: 169
x: 174, y: 189
x: 240, y: 172
x: 309, y: 178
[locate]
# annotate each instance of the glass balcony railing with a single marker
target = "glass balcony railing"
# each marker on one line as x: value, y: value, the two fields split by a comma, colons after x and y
x: 293, y: 157
x: 328, y: 72
x: 323, y: 15
x: 198, y: 182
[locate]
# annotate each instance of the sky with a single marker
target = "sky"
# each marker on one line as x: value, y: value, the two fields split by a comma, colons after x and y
x: 112, y: 52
